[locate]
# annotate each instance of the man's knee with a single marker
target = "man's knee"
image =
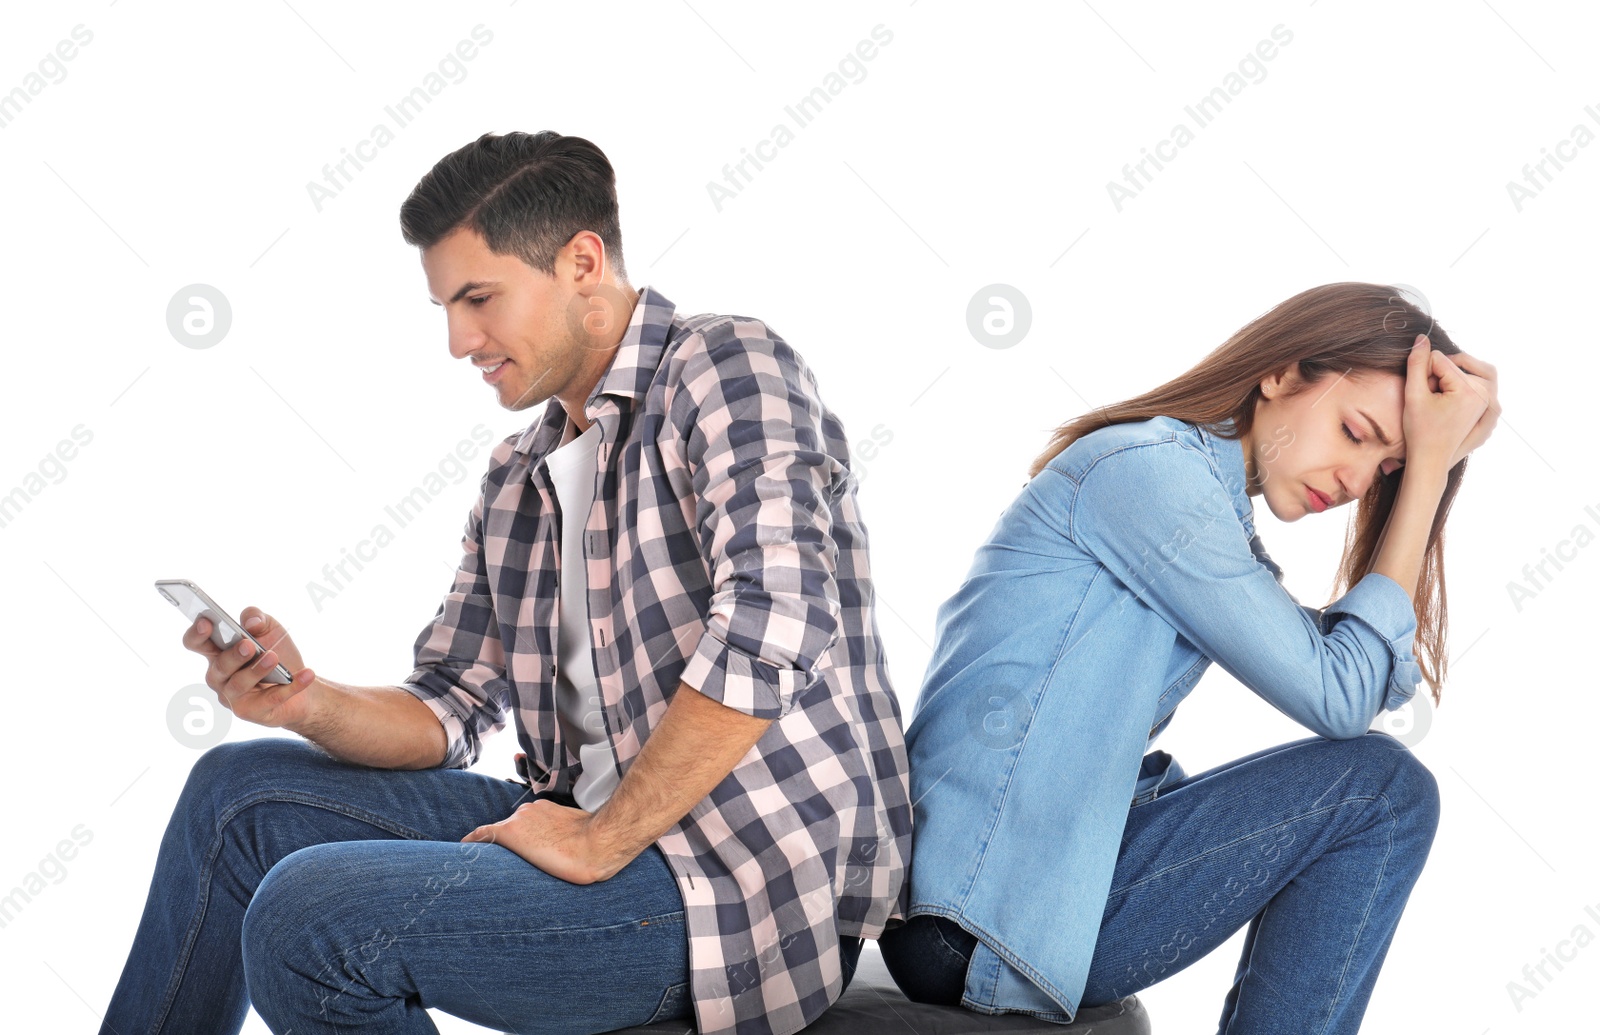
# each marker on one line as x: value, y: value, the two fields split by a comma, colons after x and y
x: 288, y: 914
x: 308, y: 941
x: 234, y: 770
x: 229, y: 777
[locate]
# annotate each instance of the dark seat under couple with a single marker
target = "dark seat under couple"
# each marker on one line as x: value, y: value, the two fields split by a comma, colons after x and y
x: 873, y: 1005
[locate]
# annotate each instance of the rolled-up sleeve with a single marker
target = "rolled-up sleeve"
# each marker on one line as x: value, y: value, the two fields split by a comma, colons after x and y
x: 1163, y: 524
x: 749, y: 423
x: 460, y: 663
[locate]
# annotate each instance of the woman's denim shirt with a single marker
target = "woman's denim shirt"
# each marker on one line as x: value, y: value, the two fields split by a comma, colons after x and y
x: 1120, y: 572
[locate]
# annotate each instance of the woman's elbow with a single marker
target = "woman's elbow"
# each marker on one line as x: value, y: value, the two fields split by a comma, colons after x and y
x: 1342, y: 725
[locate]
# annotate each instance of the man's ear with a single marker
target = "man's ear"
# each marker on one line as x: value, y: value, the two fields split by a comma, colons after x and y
x: 585, y: 255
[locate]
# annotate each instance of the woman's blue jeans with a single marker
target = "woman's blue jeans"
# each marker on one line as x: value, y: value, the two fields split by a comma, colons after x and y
x: 333, y: 897
x: 1314, y: 844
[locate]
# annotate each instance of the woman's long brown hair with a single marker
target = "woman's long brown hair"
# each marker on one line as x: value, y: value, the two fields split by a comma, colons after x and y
x: 1334, y: 329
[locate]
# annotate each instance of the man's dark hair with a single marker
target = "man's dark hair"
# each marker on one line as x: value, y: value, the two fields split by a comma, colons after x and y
x: 525, y: 194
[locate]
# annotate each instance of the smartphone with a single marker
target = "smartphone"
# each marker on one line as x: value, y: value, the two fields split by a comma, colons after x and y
x: 225, y: 632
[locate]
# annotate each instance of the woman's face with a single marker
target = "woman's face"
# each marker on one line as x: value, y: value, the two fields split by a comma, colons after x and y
x: 1322, y: 447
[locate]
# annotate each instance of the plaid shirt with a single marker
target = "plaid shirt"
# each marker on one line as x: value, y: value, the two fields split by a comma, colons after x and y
x: 726, y: 550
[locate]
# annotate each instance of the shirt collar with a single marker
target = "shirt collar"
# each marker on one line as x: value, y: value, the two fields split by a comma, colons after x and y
x: 627, y: 379
x: 1228, y: 455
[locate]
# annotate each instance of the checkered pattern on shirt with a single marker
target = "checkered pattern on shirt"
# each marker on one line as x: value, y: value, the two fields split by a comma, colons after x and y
x: 726, y: 550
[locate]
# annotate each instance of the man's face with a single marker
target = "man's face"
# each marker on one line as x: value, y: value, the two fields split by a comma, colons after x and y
x: 1304, y: 441
x: 500, y: 309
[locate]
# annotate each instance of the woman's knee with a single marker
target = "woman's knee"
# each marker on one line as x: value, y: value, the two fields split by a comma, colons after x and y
x: 1405, y: 783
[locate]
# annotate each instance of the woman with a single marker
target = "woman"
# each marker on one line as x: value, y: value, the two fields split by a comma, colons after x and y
x: 1052, y: 865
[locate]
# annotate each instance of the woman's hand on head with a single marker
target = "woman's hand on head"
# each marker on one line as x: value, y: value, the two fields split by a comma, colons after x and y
x: 1482, y: 377
x: 1451, y: 404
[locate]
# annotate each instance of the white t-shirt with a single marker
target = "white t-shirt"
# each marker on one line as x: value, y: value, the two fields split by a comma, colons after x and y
x: 578, y: 702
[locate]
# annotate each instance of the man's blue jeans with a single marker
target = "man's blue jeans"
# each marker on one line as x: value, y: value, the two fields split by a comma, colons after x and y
x: 333, y: 897
x: 1315, y: 844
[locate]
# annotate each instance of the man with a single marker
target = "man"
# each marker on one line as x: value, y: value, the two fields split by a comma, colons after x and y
x: 665, y: 580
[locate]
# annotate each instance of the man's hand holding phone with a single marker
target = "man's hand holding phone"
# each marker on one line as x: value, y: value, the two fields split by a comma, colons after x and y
x: 239, y: 681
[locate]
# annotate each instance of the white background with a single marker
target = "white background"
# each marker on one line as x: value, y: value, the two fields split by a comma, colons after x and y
x: 976, y: 150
